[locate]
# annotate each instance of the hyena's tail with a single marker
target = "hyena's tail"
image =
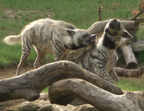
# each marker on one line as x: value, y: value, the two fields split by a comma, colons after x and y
x: 12, y: 39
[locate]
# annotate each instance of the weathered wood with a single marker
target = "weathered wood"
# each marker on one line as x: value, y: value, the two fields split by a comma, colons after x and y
x: 129, y: 56
x: 137, y: 46
x: 30, y: 84
x: 129, y: 72
x: 99, y: 98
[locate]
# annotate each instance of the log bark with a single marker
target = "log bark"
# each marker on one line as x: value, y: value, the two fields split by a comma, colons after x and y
x: 30, y: 84
x: 99, y: 98
x: 129, y: 72
x: 129, y: 56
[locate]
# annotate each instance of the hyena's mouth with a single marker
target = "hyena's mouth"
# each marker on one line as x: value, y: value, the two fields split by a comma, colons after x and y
x: 91, y: 39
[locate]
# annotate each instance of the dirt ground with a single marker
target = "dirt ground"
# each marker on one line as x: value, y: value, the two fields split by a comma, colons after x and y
x: 8, y: 73
x: 11, y: 72
x: 12, y: 105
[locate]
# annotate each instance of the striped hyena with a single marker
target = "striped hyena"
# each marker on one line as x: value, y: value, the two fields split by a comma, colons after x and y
x: 49, y: 36
x: 101, y: 57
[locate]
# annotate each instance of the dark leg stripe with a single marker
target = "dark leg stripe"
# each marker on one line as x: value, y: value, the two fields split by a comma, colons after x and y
x: 57, y: 53
x: 90, y: 64
x: 41, y: 34
x: 57, y: 49
x: 51, y: 34
x: 58, y: 44
x: 101, y: 53
x: 82, y: 62
x: 95, y: 57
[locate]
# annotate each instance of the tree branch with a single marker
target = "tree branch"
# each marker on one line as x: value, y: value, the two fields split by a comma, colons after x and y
x: 129, y: 72
x: 30, y: 84
x: 99, y: 98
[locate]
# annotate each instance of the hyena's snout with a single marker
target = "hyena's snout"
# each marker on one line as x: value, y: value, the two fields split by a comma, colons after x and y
x: 114, y: 24
x: 91, y: 40
x: 116, y: 28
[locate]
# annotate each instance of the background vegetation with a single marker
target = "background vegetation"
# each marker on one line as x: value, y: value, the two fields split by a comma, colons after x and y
x: 15, y: 14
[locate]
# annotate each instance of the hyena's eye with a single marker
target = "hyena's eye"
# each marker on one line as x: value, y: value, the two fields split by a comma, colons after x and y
x: 115, y: 33
x: 86, y: 35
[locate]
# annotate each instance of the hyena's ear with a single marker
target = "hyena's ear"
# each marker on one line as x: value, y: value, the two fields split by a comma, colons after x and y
x: 71, y: 32
x: 126, y: 34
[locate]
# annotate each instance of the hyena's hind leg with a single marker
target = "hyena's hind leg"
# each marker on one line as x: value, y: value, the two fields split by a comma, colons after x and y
x: 40, y: 56
x: 26, y: 48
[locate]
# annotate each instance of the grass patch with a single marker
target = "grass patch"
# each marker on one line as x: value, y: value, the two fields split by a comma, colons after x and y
x: 45, y: 90
x: 15, y: 14
x: 131, y: 84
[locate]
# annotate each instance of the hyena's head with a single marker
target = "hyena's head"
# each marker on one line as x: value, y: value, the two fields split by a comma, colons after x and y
x: 116, y: 29
x: 113, y: 32
x: 80, y: 38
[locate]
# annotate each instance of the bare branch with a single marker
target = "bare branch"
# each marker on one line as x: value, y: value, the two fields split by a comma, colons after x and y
x: 100, y: 12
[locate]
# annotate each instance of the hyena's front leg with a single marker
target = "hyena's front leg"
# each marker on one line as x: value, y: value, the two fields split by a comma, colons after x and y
x: 102, y: 72
x: 106, y: 76
x: 57, y: 57
x: 40, y: 56
x: 114, y: 75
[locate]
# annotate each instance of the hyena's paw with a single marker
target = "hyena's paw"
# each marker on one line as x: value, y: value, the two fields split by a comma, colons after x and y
x: 114, y: 76
x: 116, y: 79
x: 109, y: 79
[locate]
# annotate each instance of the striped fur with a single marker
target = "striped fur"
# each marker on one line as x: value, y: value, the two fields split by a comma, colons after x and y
x: 101, y: 57
x: 49, y: 36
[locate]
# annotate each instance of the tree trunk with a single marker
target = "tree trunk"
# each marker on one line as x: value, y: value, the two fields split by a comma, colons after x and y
x: 99, y: 98
x: 129, y: 56
x: 129, y: 72
x: 30, y: 84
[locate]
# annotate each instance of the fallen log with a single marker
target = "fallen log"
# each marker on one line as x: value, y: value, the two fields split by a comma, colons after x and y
x: 99, y: 98
x: 129, y: 56
x: 129, y: 72
x: 31, y: 83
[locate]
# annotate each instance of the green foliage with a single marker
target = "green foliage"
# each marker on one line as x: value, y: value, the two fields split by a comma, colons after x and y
x: 45, y: 90
x: 131, y: 84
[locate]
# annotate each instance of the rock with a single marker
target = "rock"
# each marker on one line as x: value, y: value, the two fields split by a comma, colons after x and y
x: 86, y: 107
x: 43, y: 104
